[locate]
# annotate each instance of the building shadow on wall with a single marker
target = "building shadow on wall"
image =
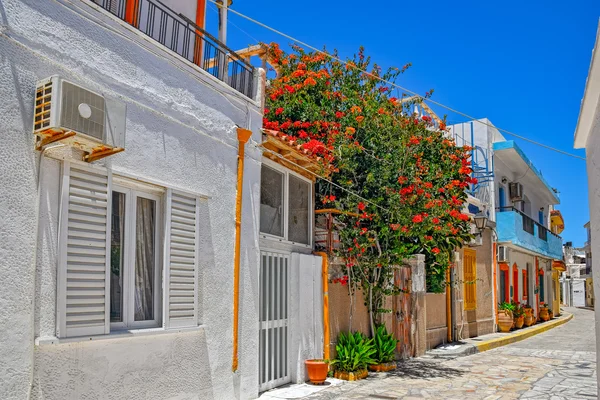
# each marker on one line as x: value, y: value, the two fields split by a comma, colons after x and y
x: 421, y: 369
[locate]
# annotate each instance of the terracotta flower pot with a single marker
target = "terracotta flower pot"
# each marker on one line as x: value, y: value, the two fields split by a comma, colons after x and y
x: 544, y: 315
x: 317, y: 371
x: 351, y: 376
x: 505, y: 320
x: 385, y: 367
x: 529, y: 320
x: 519, y: 321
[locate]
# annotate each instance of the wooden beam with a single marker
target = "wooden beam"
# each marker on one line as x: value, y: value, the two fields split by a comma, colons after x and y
x: 97, y: 155
x: 53, y: 138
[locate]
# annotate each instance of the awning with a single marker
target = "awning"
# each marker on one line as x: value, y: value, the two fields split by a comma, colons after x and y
x: 557, y: 223
x: 559, y: 265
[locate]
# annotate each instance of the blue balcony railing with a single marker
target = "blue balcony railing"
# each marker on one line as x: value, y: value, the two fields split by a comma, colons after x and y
x: 521, y: 230
x: 182, y: 36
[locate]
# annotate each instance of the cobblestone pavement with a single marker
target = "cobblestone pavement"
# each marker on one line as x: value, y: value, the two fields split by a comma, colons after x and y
x: 557, y: 364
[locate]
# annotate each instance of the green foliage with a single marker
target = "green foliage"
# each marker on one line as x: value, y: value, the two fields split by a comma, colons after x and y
x: 354, y: 352
x: 385, y: 345
x: 412, y: 173
x: 505, y: 306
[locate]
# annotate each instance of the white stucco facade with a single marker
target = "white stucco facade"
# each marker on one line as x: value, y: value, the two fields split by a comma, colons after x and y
x: 587, y: 135
x: 181, y: 134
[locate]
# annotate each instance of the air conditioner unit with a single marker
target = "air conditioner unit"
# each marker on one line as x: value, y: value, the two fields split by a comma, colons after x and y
x: 502, y: 254
x: 515, y: 191
x: 77, y: 116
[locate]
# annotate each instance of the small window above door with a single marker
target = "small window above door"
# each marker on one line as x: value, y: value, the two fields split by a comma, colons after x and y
x: 286, y: 205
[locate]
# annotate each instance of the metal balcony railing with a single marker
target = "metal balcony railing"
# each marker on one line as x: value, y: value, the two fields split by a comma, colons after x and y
x: 529, y: 223
x: 181, y: 35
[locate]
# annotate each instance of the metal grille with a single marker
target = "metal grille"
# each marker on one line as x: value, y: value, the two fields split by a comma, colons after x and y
x: 43, y: 104
x: 274, y: 333
x: 181, y: 35
x: 72, y: 97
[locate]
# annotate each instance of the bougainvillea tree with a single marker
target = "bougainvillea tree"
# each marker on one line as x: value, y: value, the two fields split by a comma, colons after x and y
x: 399, y: 177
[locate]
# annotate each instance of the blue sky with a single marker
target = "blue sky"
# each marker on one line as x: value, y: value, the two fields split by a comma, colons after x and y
x: 521, y: 64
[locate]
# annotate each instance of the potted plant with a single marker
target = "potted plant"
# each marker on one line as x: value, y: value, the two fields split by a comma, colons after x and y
x: 505, y: 316
x: 529, y: 319
x: 544, y: 316
x: 385, y: 350
x: 354, y: 354
x: 518, y: 316
x: 317, y: 370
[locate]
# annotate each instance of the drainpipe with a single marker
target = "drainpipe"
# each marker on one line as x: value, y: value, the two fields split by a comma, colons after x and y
x: 495, y: 282
x: 325, y: 280
x: 243, y: 136
x: 448, y: 306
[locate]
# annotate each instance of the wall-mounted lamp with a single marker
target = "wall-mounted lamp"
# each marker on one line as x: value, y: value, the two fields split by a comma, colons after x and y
x: 480, y: 223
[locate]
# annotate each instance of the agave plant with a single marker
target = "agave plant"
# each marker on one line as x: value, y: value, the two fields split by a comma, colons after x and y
x: 354, y: 352
x: 385, y: 345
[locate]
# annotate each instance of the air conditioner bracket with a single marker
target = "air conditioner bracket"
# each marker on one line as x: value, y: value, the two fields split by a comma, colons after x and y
x: 101, y: 152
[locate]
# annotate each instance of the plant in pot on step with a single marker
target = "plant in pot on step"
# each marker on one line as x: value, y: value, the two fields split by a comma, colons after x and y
x: 385, y: 350
x: 519, y: 316
x: 544, y: 315
x: 529, y: 319
x: 505, y: 316
x: 354, y: 354
x: 317, y: 370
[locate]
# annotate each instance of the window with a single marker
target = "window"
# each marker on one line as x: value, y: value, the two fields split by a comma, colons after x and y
x: 115, y: 239
x: 285, y: 205
x: 470, y: 278
x: 504, y: 294
x: 515, y: 283
x: 271, y: 201
x: 135, y: 273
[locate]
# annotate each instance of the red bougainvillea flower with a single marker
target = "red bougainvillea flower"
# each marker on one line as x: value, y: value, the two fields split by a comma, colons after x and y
x: 435, y: 220
x: 417, y: 218
x: 279, y: 111
x: 361, y: 206
x: 302, y: 134
x: 435, y: 250
x: 360, y: 119
x: 402, y: 180
x: 426, y: 118
x: 310, y: 81
x: 463, y: 217
x: 414, y: 140
x: 339, y: 114
x: 355, y: 109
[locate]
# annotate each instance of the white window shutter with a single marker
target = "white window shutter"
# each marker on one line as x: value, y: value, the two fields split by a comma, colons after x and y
x: 84, y: 252
x: 181, y: 260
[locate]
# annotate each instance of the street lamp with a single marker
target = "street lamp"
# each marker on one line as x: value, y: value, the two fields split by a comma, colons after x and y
x: 480, y: 222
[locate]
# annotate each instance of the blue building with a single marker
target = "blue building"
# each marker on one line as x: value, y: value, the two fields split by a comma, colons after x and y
x: 529, y: 250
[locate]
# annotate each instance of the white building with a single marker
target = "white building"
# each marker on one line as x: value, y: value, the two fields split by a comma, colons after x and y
x: 521, y: 202
x: 118, y: 275
x: 587, y: 135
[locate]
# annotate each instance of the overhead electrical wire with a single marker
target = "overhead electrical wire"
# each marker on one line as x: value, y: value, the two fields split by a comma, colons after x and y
x: 396, y: 85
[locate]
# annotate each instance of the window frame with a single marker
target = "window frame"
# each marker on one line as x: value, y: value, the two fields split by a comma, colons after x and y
x: 132, y: 191
x: 285, y: 217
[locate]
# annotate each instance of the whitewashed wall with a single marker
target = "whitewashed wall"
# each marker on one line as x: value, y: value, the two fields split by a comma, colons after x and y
x: 592, y: 152
x: 180, y: 131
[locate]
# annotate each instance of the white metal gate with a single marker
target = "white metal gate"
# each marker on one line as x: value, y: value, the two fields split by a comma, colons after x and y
x: 274, y: 369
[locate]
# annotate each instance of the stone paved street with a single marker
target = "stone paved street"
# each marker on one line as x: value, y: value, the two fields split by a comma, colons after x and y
x: 557, y: 364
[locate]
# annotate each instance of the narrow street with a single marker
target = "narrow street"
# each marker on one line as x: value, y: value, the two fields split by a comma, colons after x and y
x: 557, y: 364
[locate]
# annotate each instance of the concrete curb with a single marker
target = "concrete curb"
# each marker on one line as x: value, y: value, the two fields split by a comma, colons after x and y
x: 521, y: 335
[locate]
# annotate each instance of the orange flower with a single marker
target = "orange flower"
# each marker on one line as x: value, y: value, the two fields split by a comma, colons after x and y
x: 360, y: 119
x: 298, y: 73
x: 350, y: 130
x: 310, y: 81
x: 355, y: 109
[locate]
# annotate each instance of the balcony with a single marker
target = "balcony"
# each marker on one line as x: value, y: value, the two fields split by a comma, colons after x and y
x: 182, y: 36
x: 519, y: 229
